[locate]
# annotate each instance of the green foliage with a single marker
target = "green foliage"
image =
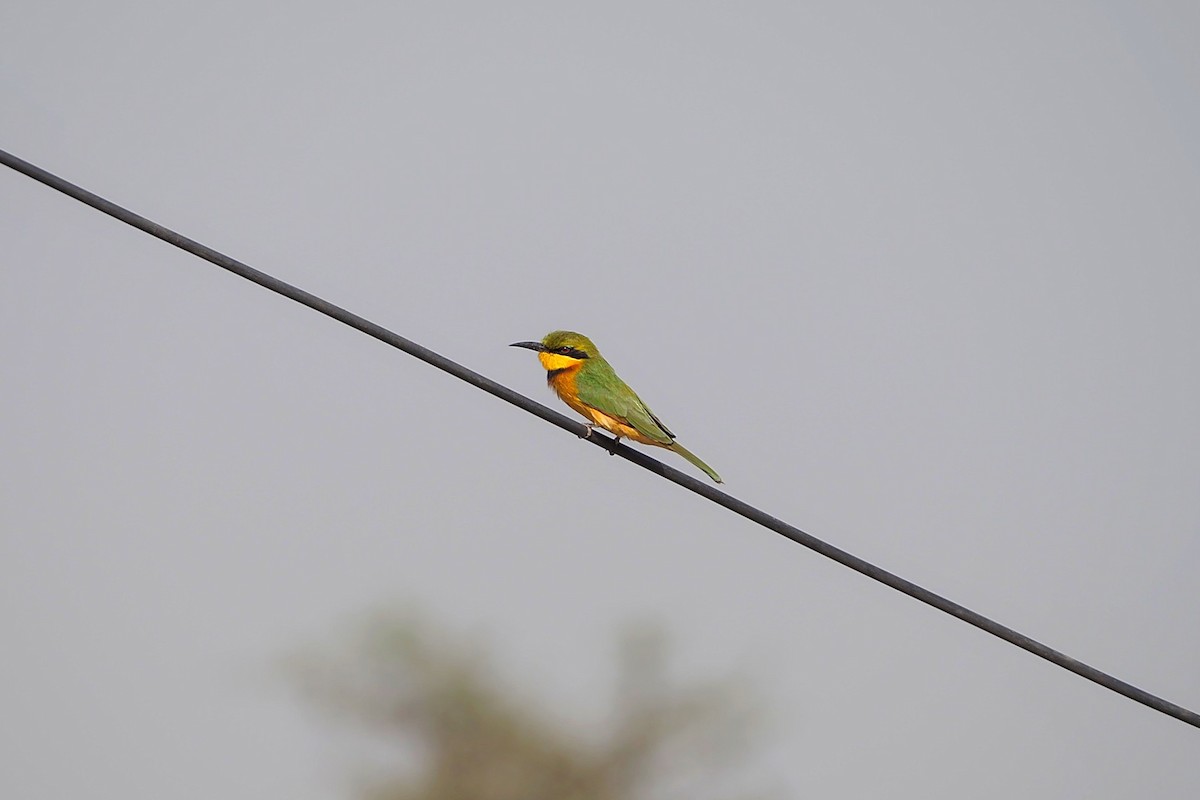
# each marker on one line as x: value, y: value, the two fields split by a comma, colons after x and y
x: 444, y: 713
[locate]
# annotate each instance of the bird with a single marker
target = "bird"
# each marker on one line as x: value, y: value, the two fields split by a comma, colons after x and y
x: 587, y: 383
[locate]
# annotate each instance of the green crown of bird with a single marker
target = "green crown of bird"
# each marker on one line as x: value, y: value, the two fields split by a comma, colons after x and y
x: 582, y: 379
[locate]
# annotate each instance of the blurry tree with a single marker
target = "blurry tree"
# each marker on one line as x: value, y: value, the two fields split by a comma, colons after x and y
x: 457, y: 734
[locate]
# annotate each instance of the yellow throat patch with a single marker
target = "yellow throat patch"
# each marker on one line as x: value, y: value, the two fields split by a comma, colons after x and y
x: 555, y: 361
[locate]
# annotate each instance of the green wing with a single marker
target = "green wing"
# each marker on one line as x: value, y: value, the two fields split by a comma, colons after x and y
x: 600, y: 388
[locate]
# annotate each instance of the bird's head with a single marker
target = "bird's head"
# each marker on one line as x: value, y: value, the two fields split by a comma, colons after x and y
x: 561, y: 349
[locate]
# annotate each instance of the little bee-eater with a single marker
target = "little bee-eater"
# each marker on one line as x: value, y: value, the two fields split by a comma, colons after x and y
x: 587, y: 383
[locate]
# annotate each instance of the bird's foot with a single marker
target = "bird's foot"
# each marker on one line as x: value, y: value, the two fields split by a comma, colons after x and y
x: 612, y: 448
x: 588, y: 433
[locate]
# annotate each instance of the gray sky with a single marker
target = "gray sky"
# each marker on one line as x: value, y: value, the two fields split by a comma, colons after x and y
x: 920, y: 278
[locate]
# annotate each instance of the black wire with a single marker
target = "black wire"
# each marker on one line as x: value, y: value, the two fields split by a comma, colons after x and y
x: 636, y: 456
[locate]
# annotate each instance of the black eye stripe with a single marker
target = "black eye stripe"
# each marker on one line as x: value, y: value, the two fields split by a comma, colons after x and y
x: 570, y: 351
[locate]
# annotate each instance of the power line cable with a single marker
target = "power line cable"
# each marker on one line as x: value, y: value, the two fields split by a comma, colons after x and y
x: 636, y: 456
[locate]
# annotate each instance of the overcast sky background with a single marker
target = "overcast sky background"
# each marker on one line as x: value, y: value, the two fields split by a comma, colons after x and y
x: 922, y: 279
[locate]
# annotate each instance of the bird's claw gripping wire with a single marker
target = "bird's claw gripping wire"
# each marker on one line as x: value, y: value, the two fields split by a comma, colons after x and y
x: 587, y: 434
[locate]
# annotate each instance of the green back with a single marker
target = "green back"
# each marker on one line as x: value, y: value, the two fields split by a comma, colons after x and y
x: 600, y: 388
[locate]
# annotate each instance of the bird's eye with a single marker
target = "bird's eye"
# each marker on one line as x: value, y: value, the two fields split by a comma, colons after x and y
x: 564, y: 350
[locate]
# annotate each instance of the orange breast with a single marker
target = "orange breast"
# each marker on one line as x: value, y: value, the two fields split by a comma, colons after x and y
x: 562, y: 381
x: 563, y: 384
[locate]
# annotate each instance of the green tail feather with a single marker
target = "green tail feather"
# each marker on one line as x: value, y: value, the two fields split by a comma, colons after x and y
x: 683, y: 451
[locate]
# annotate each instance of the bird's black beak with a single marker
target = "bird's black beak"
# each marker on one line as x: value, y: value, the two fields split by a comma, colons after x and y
x: 538, y: 346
